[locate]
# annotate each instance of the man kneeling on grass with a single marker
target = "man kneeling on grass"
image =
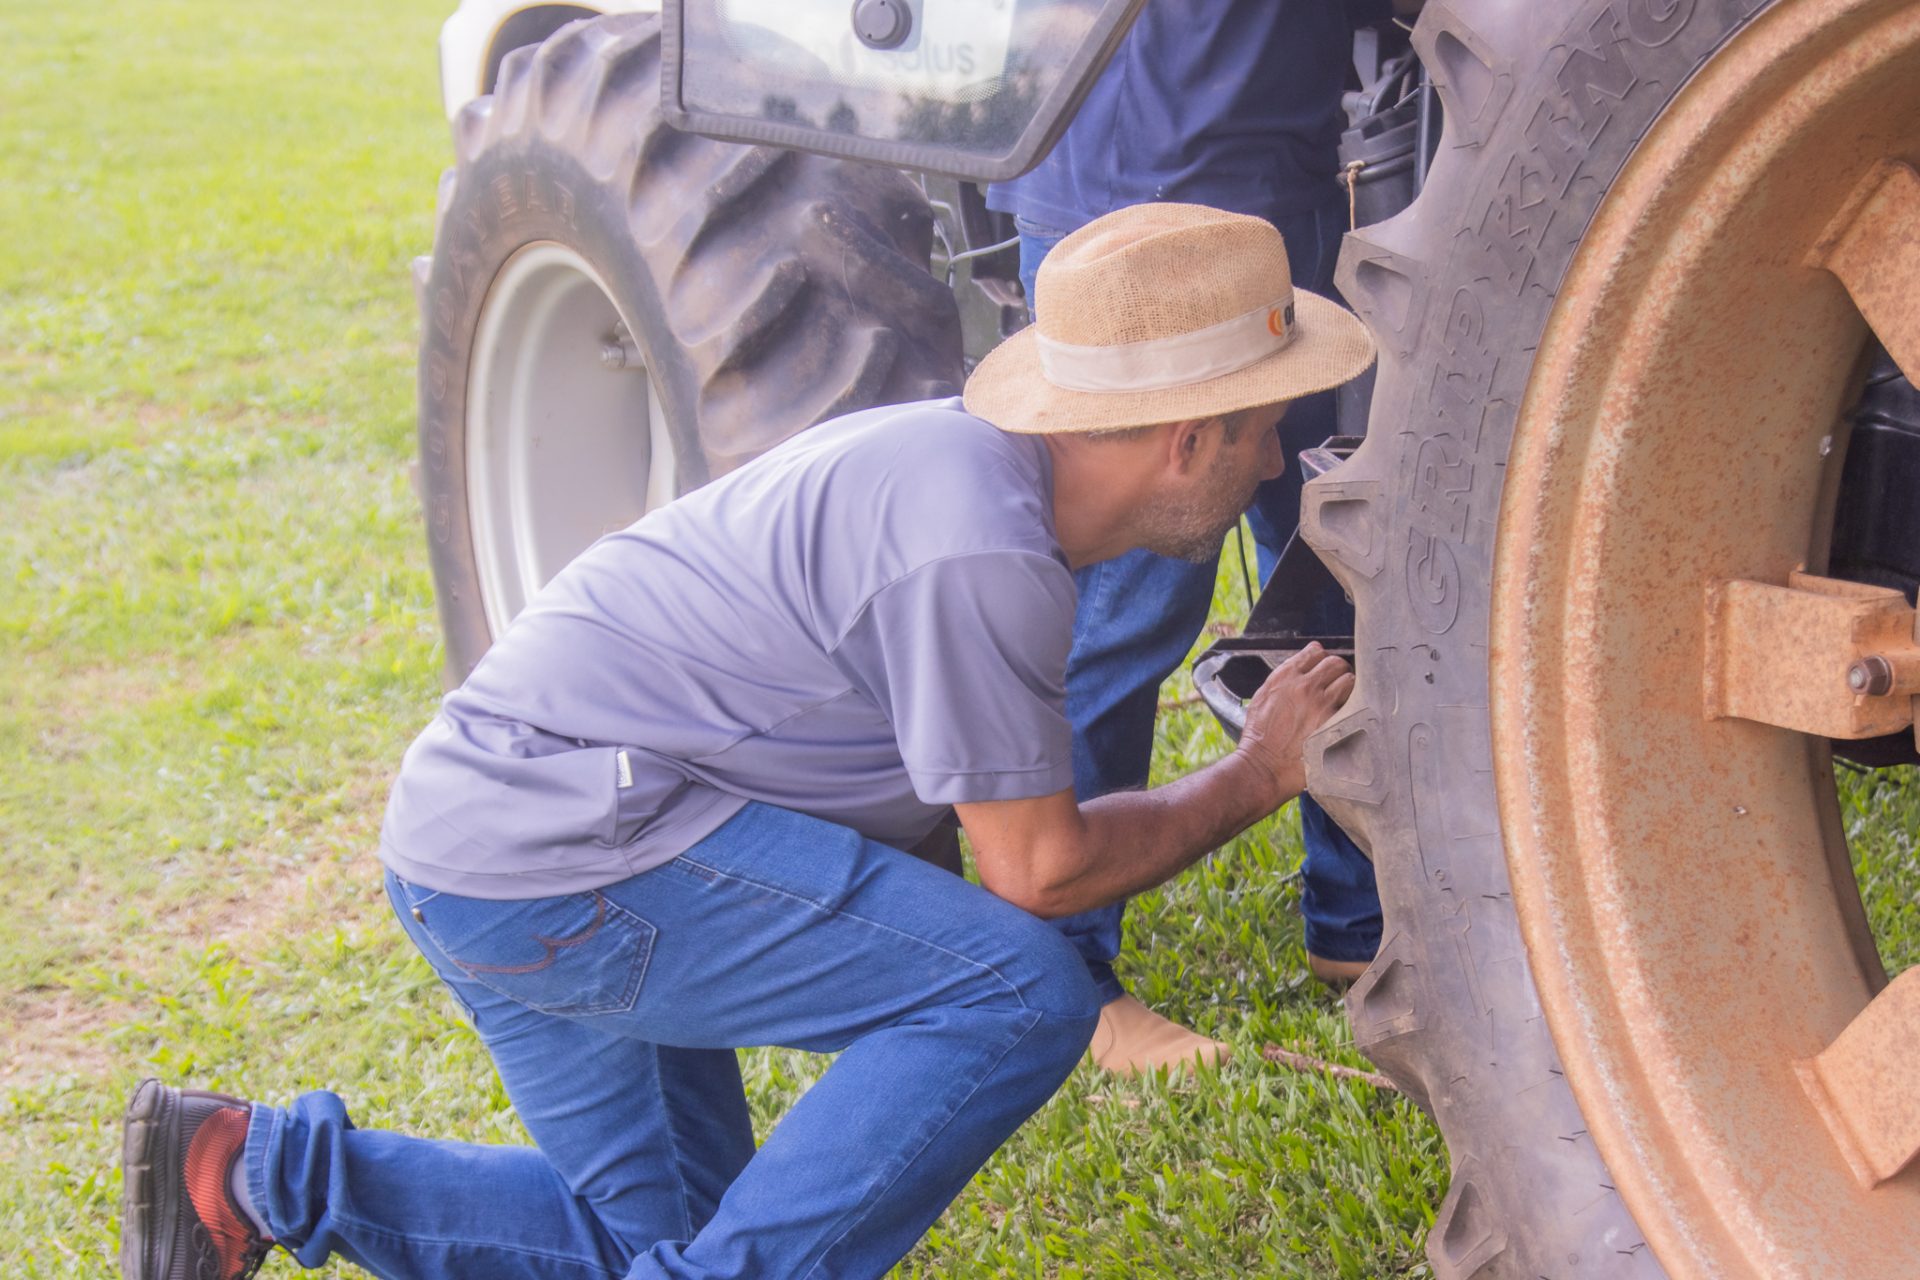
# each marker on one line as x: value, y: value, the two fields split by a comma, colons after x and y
x: 664, y: 817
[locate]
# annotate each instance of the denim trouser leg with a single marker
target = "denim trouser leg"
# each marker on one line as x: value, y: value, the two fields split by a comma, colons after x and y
x: 1338, y: 898
x: 1121, y: 654
x: 1035, y: 243
x: 612, y: 1017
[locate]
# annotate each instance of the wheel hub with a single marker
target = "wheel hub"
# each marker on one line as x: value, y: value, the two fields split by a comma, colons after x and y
x: 566, y: 439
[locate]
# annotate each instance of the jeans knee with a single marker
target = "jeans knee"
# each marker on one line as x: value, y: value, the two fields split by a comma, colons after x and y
x: 1053, y: 978
x: 1063, y: 1039
x: 1056, y: 1042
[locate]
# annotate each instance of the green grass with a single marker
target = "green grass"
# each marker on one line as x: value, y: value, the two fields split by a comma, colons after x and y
x: 216, y: 637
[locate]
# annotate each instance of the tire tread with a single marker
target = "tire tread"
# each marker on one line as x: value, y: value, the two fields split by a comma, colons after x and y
x: 1458, y: 287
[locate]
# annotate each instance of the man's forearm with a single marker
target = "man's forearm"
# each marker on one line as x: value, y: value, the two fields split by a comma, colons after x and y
x: 1138, y: 839
x: 1054, y: 857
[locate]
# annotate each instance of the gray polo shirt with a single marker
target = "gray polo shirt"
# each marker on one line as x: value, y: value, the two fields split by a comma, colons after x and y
x: 868, y: 624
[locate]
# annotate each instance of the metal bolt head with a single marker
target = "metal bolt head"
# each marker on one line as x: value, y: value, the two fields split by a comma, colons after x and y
x: 613, y: 355
x: 1871, y: 677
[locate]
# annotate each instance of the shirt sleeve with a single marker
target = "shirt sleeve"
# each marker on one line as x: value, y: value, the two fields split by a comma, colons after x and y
x: 966, y: 657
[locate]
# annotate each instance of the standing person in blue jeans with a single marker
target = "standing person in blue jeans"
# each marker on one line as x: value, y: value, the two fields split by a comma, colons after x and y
x: 668, y: 815
x: 1234, y: 104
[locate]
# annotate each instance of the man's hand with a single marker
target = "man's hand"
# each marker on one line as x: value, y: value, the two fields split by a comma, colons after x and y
x: 1299, y: 696
x: 1054, y: 857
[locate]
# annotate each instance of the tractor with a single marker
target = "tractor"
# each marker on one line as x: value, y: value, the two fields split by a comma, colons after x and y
x: 1629, y: 519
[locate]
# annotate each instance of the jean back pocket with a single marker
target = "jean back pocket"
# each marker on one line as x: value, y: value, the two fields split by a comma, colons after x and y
x: 577, y: 954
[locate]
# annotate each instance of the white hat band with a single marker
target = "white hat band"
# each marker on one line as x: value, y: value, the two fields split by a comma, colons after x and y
x: 1179, y: 361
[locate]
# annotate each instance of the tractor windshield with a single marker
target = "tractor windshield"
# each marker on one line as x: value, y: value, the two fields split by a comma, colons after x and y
x: 975, y: 88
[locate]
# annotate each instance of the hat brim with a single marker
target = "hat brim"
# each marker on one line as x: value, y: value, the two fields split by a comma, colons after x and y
x: 1330, y: 346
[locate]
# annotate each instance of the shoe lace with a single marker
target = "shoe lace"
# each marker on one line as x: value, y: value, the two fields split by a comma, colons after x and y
x: 255, y: 1256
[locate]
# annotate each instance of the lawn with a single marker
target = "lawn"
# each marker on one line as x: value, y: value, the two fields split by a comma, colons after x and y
x: 219, y: 636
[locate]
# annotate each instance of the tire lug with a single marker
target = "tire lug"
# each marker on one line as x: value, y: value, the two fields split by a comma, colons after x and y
x: 618, y: 355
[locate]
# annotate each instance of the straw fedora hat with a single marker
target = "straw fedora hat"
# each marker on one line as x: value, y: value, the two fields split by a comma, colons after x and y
x: 1160, y: 313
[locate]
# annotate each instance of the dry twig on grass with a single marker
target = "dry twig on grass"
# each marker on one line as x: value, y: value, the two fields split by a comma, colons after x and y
x: 1307, y: 1062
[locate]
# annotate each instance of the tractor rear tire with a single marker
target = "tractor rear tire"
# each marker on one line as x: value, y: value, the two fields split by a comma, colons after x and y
x: 616, y: 312
x: 1570, y: 1156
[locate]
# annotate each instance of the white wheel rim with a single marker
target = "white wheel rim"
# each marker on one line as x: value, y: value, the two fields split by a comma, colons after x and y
x: 561, y: 448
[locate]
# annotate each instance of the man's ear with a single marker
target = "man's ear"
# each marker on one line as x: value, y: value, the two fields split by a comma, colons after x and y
x: 1185, y: 444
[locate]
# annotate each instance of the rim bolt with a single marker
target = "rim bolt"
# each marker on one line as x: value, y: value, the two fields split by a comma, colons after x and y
x: 1872, y: 676
x: 613, y: 355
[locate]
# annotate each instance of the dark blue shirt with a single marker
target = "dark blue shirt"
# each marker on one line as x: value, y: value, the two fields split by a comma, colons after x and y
x: 1229, y: 103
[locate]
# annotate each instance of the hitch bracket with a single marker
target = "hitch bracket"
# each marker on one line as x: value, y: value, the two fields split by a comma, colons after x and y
x: 1820, y: 656
x: 1866, y: 1084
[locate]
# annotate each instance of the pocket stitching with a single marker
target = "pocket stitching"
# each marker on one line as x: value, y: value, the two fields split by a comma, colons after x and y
x: 553, y: 945
x: 643, y: 931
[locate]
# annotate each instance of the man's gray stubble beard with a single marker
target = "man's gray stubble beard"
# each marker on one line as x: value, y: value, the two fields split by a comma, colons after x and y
x: 1187, y: 531
x: 1192, y: 546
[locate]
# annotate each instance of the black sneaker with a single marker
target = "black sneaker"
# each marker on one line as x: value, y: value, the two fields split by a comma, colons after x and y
x: 178, y: 1219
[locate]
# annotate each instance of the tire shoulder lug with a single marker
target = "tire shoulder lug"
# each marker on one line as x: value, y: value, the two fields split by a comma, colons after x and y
x: 748, y: 330
x: 1340, y: 520
x: 1386, y: 287
x: 470, y: 128
x: 1465, y: 1242
x: 1474, y: 81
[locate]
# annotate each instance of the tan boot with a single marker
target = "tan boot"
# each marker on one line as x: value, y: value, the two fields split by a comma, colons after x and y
x: 1132, y: 1038
x: 1337, y: 974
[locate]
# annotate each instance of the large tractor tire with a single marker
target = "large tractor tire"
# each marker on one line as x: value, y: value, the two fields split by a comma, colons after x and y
x: 1619, y: 332
x: 616, y: 312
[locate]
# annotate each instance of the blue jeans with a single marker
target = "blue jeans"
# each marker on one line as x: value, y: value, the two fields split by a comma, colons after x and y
x: 612, y: 1017
x: 1138, y: 616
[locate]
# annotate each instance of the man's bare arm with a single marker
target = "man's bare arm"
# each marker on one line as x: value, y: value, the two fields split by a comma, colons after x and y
x: 1054, y: 857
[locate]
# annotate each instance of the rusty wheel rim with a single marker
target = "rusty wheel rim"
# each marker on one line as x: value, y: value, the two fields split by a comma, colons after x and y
x: 1683, y: 883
